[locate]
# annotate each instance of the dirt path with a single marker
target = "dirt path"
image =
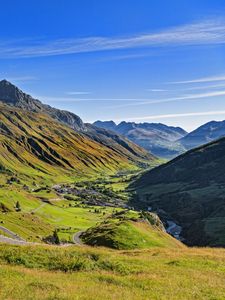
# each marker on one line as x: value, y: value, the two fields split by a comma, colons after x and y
x: 15, y: 239
x: 39, y: 207
x: 7, y: 240
x: 76, y: 238
x: 12, y: 235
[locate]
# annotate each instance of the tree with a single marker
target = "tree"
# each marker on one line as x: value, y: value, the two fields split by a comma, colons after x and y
x: 18, y: 207
x: 56, y: 237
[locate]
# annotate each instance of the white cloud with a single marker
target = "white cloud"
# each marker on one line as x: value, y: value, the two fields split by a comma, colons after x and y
x: 156, y: 90
x: 135, y: 101
x: 78, y: 93
x: 204, y: 87
x: 200, y: 33
x: 190, y: 114
x: 21, y: 79
x: 201, y: 80
x: 72, y: 99
x: 173, y: 99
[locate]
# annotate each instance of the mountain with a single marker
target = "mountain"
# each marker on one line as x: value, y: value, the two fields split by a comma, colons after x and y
x: 204, y: 134
x: 14, y: 97
x: 157, y: 138
x: 190, y: 190
x: 108, y: 125
x: 35, y: 145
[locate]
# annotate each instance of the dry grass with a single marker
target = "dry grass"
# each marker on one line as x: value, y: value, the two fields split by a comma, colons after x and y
x: 106, y: 274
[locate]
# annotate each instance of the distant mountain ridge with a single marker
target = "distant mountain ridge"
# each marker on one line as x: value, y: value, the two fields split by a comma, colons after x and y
x: 166, y: 141
x: 157, y: 138
x: 13, y: 96
x: 204, y: 134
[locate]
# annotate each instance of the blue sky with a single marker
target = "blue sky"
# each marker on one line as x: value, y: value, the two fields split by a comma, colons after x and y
x: 142, y: 61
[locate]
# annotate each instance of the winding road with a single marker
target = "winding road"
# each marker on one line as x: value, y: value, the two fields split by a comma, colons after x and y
x: 7, y: 240
x: 76, y: 238
x: 13, y: 238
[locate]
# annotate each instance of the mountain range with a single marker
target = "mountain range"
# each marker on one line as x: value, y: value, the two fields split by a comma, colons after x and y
x: 159, y: 139
x: 40, y: 142
x: 38, y: 139
x: 166, y: 141
x: 204, y: 134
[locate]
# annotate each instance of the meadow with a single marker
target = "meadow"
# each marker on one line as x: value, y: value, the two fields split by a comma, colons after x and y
x: 51, y: 272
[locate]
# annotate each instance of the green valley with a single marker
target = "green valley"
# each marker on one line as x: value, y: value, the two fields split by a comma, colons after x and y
x: 82, y: 216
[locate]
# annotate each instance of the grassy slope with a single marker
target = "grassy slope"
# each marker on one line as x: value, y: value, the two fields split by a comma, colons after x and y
x: 38, y: 219
x: 190, y: 189
x: 35, y: 145
x: 87, y: 273
x: 38, y: 151
x: 128, y: 231
x: 11, y: 95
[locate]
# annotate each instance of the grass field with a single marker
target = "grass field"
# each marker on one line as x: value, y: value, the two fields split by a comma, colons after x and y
x: 43, y: 210
x: 129, y: 230
x: 38, y: 219
x: 50, y: 272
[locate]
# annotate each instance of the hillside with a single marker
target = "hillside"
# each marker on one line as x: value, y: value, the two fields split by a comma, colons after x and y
x: 33, y: 144
x: 38, y: 273
x: 130, y: 230
x: 190, y: 190
x: 13, y: 96
x: 157, y: 138
x: 204, y: 134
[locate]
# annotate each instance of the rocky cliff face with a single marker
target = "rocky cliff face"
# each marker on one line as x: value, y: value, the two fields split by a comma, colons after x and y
x: 12, y: 95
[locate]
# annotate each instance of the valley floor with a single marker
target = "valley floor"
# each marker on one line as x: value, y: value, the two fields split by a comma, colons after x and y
x: 50, y: 272
x: 166, y: 270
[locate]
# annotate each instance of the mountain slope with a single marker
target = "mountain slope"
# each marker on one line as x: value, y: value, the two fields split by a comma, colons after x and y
x: 190, y: 189
x: 11, y: 95
x: 204, y: 134
x: 130, y: 230
x: 36, y: 145
x: 158, y: 139
x: 118, y: 143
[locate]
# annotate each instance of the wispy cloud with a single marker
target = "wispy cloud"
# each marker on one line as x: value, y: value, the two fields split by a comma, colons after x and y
x: 202, y: 87
x: 53, y: 99
x: 172, y: 99
x: 199, y: 33
x: 156, y: 90
x: 78, y: 93
x: 131, y: 101
x: 201, y: 80
x: 207, y: 87
x: 167, y: 116
x: 21, y: 79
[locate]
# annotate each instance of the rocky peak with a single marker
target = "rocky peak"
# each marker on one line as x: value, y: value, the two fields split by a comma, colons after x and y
x: 9, y: 93
x: 12, y: 95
